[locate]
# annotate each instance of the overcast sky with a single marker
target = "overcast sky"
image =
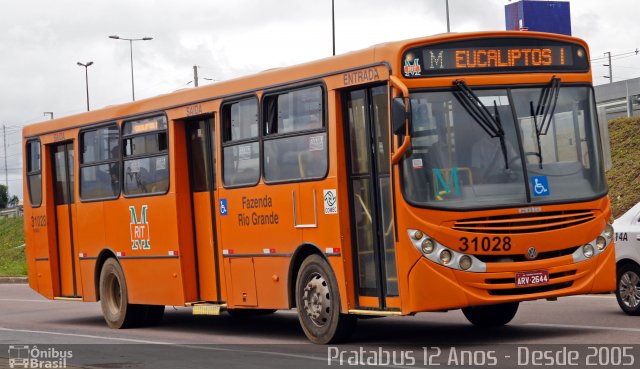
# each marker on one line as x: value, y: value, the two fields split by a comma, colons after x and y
x: 42, y: 40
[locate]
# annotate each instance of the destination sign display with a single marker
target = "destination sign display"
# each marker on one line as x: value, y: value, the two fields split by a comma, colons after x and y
x: 145, y: 125
x: 494, y: 56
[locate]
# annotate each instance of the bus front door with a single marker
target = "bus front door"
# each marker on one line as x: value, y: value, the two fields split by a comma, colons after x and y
x: 367, y: 143
x: 201, y: 156
x: 63, y: 190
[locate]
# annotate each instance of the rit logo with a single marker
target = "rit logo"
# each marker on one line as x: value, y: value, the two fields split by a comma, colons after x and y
x: 139, y: 229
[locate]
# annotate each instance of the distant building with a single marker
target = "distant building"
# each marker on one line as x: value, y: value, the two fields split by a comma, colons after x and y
x: 540, y: 16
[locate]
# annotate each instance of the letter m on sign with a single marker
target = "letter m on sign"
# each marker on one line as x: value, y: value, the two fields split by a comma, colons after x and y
x: 139, y: 229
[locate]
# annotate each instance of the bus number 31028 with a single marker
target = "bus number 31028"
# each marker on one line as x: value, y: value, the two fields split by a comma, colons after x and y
x: 485, y: 243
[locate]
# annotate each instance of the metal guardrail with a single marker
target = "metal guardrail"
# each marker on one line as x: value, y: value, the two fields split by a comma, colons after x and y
x: 12, y: 212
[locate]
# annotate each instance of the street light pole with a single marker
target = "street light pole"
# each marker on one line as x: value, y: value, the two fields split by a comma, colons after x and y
x: 333, y: 26
x: 86, y: 78
x: 448, y: 26
x: 133, y: 90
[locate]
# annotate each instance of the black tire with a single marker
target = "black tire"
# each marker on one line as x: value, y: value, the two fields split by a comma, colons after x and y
x: 486, y: 316
x: 318, y: 302
x: 114, y: 300
x: 628, y: 288
x: 238, y: 313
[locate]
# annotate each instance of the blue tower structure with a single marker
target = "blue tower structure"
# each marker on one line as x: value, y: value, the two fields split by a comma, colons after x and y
x: 542, y: 16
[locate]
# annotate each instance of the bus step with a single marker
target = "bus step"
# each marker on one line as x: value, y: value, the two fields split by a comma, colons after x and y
x: 208, y: 309
x: 60, y: 298
x: 375, y: 312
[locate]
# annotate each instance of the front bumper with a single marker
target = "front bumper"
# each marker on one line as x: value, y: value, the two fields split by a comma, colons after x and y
x: 434, y: 287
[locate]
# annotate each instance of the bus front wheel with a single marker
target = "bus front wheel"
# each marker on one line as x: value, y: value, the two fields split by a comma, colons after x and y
x: 491, y: 315
x: 114, y: 301
x: 318, y: 302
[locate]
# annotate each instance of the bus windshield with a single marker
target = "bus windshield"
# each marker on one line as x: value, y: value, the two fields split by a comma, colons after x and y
x: 501, y: 148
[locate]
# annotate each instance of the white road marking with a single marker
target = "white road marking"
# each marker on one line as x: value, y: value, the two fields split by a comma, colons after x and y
x: 86, y: 336
x: 195, y: 347
x: 24, y: 300
x: 591, y: 296
x: 595, y: 327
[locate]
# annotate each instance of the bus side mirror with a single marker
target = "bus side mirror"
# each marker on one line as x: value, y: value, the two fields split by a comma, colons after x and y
x: 399, y: 116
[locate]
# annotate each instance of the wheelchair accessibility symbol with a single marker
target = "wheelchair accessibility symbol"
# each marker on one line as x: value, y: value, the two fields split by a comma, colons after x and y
x: 223, y: 207
x: 540, y: 186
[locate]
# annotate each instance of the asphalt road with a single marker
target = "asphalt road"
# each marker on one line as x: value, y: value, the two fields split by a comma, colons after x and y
x: 582, y: 323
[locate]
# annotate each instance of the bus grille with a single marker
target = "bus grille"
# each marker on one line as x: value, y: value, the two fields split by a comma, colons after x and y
x: 525, y: 223
x: 516, y: 258
x: 530, y: 290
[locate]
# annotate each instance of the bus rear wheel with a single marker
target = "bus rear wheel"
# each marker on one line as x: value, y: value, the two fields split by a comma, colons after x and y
x: 486, y: 316
x: 318, y: 303
x: 114, y: 301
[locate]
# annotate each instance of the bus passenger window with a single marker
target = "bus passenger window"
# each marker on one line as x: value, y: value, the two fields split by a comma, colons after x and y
x: 100, y: 163
x: 241, y: 149
x: 295, y: 137
x: 34, y: 175
x: 146, y: 160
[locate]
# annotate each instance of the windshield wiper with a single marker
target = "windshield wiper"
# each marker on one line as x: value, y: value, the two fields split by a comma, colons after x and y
x: 491, y: 124
x: 546, y: 107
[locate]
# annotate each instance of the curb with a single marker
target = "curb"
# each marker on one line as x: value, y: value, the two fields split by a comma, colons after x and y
x: 14, y: 280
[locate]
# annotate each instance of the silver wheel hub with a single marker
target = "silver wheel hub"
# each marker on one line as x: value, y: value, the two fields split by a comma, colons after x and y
x: 316, y: 298
x: 630, y: 289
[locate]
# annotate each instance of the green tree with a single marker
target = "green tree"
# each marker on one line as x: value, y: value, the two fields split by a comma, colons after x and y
x: 4, y: 196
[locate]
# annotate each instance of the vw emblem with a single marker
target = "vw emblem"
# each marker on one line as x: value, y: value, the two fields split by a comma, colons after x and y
x: 532, y: 253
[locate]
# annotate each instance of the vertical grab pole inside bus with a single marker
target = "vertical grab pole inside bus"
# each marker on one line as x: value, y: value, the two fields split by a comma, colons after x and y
x: 401, y: 118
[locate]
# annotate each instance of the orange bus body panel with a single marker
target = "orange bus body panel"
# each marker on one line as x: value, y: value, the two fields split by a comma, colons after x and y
x: 258, y: 234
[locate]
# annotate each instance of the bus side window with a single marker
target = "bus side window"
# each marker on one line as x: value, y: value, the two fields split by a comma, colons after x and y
x: 100, y: 163
x: 295, y: 137
x: 240, y: 146
x: 34, y: 174
x: 146, y: 160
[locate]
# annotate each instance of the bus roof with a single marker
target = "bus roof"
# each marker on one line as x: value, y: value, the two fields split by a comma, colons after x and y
x: 381, y: 53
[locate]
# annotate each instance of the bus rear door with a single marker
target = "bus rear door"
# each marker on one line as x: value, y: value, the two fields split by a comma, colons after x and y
x: 62, y: 155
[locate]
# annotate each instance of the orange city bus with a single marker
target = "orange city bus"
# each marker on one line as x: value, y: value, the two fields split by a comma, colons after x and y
x: 446, y: 172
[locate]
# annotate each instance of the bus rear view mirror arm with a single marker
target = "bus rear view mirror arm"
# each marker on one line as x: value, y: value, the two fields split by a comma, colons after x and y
x: 401, y: 118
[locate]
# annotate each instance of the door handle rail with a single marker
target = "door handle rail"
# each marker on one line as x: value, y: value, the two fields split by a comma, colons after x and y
x: 295, y: 212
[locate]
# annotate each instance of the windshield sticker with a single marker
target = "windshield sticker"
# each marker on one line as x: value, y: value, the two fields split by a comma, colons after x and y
x: 161, y: 163
x: 412, y: 65
x: 244, y: 152
x: 417, y: 163
x: 316, y: 143
x: 540, y: 186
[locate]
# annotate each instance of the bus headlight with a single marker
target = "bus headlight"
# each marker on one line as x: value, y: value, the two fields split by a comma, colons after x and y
x: 608, y: 231
x: 428, y: 246
x: 465, y: 262
x: 595, y: 247
x: 445, y: 256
